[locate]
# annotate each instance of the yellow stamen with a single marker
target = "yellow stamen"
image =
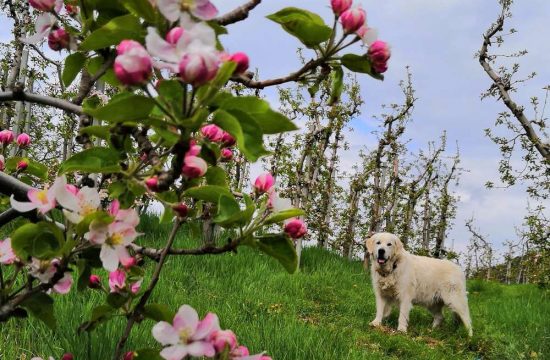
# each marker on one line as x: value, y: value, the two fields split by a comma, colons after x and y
x: 42, y: 196
x: 115, y: 239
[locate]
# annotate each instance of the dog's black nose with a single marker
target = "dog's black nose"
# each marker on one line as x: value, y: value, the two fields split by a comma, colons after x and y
x: 381, y: 253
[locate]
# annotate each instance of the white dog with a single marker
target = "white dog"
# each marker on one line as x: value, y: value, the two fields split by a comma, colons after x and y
x: 403, y: 279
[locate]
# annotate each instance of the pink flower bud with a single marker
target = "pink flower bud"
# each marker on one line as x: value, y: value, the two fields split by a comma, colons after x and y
x: 198, y: 68
x: 174, y: 35
x: 194, y: 167
x: 240, y: 351
x: 227, y: 139
x: 128, y: 262
x: 265, y: 357
x: 264, y: 183
x: 2, y: 163
x: 295, y: 228
x: 67, y: 356
x: 194, y: 149
x: 117, y: 280
x: 222, y: 338
x: 181, y: 210
x: 379, y: 54
x: 241, y: 59
x: 6, y: 137
x: 59, y: 39
x: 152, y: 183
x: 134, y: 288
x: 226, y: 154
x: 114, y: 207
x: 23, y: 140
x: 353, y: 19
x: 212, y: 132
x: 22, y: 165
x: 339, y: 6
x: 129, y: 355
x: 94, y: 282
x: 133, y: 65
x: 43, y: 5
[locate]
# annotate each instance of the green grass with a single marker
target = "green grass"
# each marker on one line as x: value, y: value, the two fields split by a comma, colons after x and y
x: 320, y: 313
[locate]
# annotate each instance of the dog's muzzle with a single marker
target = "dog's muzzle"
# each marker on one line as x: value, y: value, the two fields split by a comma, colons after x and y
x: 381, y: 258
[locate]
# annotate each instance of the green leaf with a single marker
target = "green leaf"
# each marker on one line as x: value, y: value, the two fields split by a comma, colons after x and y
x: 228, y: 210
x: 281, y: 248
x: 84, y: 272
x: 208, y: 91
x: 210, y: 193
x: 336, y: 85
x: 147, y: 354
x: 167, y: 215
x: 98, y: 218
x: 360, y: 64
x: 283, y: 215
x: 158, y: 312
x: 34, y: 168
x: 141, y: 8
x: 125, y: 107
x: 308, y: 27
x: 99, y: 131
x: 73, y: 65
x: 216, y: 176
x: 112, y: 33
x: 116, y: 300
x: 94, y: 64
x: 42, y: 240
x: 40, y: 305
x: 270, y: 121
x: 94, y: 160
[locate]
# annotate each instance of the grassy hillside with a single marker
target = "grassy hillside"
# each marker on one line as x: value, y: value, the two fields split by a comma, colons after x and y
x: 320, y: 313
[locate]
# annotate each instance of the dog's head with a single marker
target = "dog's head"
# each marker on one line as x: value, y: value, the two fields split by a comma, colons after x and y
x: 384, y: 247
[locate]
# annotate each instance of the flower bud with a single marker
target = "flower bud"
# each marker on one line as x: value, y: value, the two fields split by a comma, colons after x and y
x: 59, y: 39
x: 379, y: 54
x: 353, y: 19
x: 22, y: 165
x: 152, y: 183
x: 240, y: 351
x: 128, y: 262
x: 226, y: 154
x: 133, y: 65
x: 43, y: 5
x: 117, y: 280
x: 6, y: 137
x: 174, y: 35
x: 222, y: 338
x: 194, y: 167
x: 67, y: 356
x: 23, y: 140
x: 227, y: 139
x: 295, y: 228
x: 181, y: 210
x: 2, y: 163
x: 339, y: 6
x: 212, y: 132
x: 264, y: 183
x: 241, y: 59
x: 129, y: 355
x: 194, y: 149
x: 94, y: 282
x: 198, y: 68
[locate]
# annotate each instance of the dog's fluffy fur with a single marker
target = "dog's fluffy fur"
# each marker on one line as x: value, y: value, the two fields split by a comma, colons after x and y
x: 403, y: 279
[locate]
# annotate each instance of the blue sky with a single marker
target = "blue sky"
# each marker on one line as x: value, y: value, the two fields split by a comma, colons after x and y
x: 438, y: 40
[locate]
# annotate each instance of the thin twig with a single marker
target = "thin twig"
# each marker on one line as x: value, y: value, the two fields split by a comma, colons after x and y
x: 238, y: 14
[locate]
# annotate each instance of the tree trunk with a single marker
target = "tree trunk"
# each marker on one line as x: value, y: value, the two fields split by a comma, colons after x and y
x: 426, y: 227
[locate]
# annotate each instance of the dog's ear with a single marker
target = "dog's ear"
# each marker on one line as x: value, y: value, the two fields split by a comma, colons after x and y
x: 398, y: 245
x: 370, y: 245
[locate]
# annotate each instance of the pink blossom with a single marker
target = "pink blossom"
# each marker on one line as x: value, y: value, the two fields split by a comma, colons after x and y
x: 152, y: 183
x: 43, y: 24
x: 133, y: 65
x: 77, y: 204
x: 43, y: 270
x: 181, y: 210
x: 212, y: 132
x: 264, y: 182
x: 6, y: 137
x: 63, y: 286
x: 295, y: 228
x: 222, y: 338
x: 59, y: 39
x: 379, y: 54
x: 7, y: 256
x: 339, y: 6
x: 353, y: 19
x: 117, y: 280
x: 2, y: 163
x: 194, y: 167
x: 242, y: 353
x: 129, y: 262
x: 194, y: 149
x: 22, y: 165
x: 134, y: 288
x: 171, y: 9
x: 43, y: 200
x: 226, y: 154
x: 46, y: 5
x: 242, y: 61
x: 174, y: 35
x: 94, y: 282
x: 114, y: 207
x: 198, y: 68
x: 228, y: 139
x: 187, y: 335
x: 23, y: 140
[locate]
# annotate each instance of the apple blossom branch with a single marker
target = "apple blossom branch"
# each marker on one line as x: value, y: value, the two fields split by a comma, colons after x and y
x: 238, y: 14
x: 18, y: 94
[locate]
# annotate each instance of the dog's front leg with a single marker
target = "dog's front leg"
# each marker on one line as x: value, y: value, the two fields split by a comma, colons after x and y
x: 380, y: 306
x: 405, y: 306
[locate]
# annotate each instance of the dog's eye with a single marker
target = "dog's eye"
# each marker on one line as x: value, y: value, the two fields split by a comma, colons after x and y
x: 389, y: 244
x: 378, y: 243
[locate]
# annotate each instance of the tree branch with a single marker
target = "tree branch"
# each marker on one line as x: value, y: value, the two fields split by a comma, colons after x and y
x: 238, y: 14
x: 21, y: 95
x: 205, y: 250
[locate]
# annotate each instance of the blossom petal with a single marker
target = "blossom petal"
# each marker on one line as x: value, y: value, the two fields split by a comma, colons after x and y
x: 176, y: 352
x: 63, y: 286
x: 109, y: 257
x: 170, y: 9
x: 22, y: 206
x: 205, y: 10
x: 72, y: 216
x: 186, y: 317
x: 209, y: 324
x: 201, y: 348
x: 165, y: 333
x: 66, y: 198
x: 89, y: 197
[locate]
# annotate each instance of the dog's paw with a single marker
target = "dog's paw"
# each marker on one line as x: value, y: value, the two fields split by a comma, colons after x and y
x: 402, y: 329
x: 375, y: 323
